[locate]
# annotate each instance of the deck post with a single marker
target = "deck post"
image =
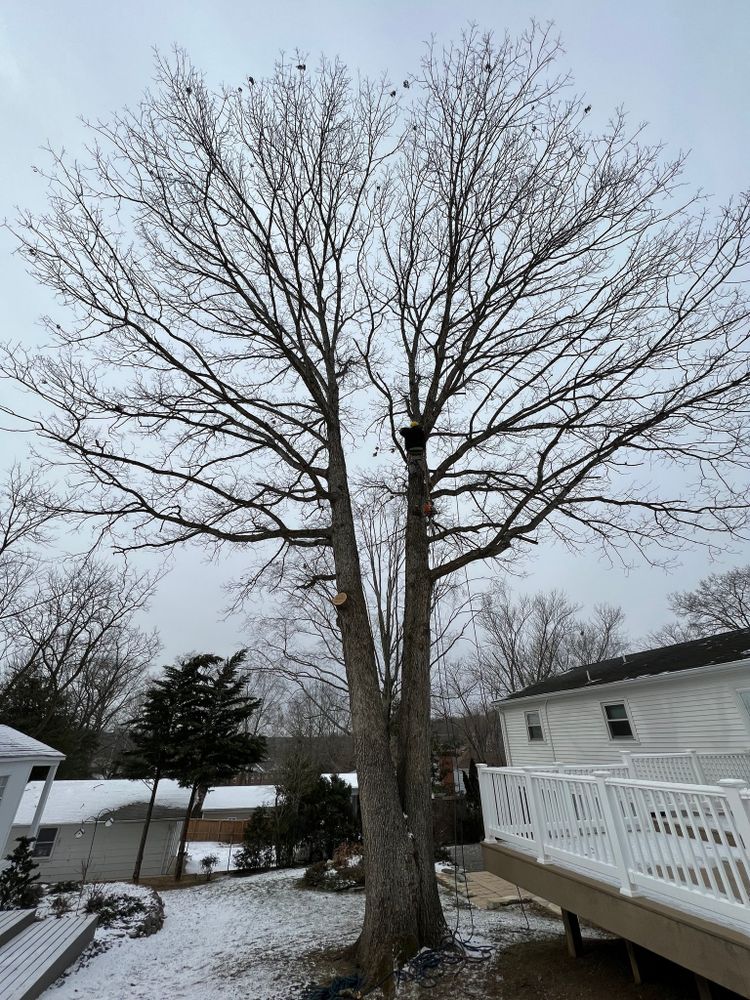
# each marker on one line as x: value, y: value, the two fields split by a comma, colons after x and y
x: 535, y: 814
x: 36, y: 821
x: 615, y: 831
x: 700, y: 774
x: 732, y: 788
x: 572, y: 934
x: 487, y: 799
x: 703, y: 987
x: 627, y: 759
x: 633, y: 959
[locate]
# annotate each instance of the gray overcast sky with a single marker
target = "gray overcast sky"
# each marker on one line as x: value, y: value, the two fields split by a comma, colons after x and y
x: 681, y: 65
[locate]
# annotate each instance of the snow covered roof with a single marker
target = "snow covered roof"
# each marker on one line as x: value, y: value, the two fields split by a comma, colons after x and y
x: 727, y: 647
x: 83, y: 800
x: 19, y: 746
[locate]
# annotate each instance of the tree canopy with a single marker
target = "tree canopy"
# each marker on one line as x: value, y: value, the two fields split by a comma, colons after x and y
x: 263, y: 280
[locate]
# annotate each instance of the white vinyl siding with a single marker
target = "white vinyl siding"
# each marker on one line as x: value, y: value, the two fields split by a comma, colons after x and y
x: 670, y: 713
x: 113, y: 855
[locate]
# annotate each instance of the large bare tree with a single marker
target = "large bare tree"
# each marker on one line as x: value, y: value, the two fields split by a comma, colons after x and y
x: 261, y: 279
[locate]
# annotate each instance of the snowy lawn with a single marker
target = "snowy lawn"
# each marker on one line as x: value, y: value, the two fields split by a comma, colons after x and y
x: 255, y: 938
x: 197, y: 850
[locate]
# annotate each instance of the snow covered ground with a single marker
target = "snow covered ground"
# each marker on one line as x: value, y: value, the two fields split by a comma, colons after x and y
x: 249, y: 938
x: 199, y: 849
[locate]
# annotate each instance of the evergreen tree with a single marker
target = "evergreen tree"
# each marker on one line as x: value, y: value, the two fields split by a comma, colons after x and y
x: 212, y: 740
x: 153, y: 733
x: 17, y: 888
x: 31, y: 703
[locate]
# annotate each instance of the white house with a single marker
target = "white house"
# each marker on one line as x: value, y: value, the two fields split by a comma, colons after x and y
x: 19, y: 755
x: 690, y: 695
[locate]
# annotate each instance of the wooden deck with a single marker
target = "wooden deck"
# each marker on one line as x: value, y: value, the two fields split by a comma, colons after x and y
x: 12, y: 922
x: 36, y: 953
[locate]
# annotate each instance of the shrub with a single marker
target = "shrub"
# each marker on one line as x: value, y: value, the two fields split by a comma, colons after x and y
x: 345, y: 871
x: 315, y: 876
x: 61, y: 905
x: 58, y: 887
x: 18, y: 889
x: 208, y: 864
x: 257, y: 849
x: 112, y: 906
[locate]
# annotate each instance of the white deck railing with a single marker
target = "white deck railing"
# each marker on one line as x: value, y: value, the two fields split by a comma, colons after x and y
x: 686, y: 766
x: 687, y: 844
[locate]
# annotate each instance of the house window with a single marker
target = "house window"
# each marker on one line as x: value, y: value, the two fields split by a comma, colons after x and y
x: 45, y: 841
x: 744, y: 695
x: 534, y: 727
x: 618, y: 722
x: 3, y: 783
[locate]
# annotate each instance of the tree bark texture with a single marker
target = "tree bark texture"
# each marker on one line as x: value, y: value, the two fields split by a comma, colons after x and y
x: 414, y: 730
x: 397, y: 849
x: 144, y: 834
x: 180, y: 866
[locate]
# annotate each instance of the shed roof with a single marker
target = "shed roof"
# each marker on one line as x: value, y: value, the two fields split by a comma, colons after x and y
x: 727, y: 647
x: 81, y: 801
x: 15, y: 745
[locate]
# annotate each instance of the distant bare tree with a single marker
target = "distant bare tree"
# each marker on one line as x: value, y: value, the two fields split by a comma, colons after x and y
x: 719, y: 603
x: 317, y: 710
x: 525, y: 639
x: 521, y: 639
x: 72, y: 633
x: 265, y: 280
x: 24, y: 515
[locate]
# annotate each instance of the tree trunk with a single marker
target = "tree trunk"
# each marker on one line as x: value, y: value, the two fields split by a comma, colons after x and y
x: 200, y: 798
x: 183, y: 836
x: 414, y: 730
x: 146, y: 825
x: 393, y: 927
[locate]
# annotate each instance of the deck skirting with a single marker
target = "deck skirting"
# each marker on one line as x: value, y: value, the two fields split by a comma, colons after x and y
x: 720, y: 954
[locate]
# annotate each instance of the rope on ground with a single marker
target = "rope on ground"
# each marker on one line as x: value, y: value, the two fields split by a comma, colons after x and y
x: 426, y: 969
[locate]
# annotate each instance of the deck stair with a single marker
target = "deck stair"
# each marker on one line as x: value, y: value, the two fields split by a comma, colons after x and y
x: 33, y: 954
x: 13, y: 921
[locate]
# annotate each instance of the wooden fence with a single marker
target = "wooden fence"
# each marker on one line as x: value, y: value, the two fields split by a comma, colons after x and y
x: 223, y: 831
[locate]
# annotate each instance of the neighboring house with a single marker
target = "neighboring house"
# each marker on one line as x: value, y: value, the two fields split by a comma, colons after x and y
x: 692, y: 694
x: 94, y: 828
x: 19, y: 756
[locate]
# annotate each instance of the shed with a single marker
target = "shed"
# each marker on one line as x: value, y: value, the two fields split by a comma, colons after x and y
x: 691, y: 694
x: 94, y: 828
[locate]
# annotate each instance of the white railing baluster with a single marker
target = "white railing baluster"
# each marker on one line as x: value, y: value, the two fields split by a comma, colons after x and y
x: 615, y: 831
x: 538, y: 823
x: 684, y: 843
x: 700, y: 777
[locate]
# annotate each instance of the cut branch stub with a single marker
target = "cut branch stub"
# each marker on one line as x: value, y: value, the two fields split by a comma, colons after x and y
x: 339, y: 599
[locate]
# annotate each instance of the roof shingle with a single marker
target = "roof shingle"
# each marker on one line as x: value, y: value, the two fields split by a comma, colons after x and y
x: 726, y: 647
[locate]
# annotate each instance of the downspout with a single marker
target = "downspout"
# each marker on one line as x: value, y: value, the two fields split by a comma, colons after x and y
x: 549, y: 730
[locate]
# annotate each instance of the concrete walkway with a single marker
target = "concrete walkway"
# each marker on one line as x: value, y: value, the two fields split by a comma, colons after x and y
x: 487, y: 891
